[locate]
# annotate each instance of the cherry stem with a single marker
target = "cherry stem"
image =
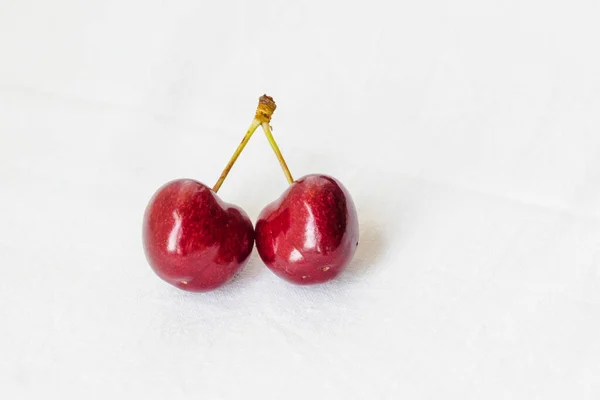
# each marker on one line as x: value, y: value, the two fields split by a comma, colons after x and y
x: 255, y: 124
x: 267, y: 128
x: 264, y: 112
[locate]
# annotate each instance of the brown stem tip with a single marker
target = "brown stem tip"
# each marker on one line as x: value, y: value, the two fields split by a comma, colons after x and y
x: 265, y: 109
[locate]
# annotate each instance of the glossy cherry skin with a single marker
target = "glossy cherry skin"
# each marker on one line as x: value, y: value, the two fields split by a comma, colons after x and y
x: 310, y: 233
x: 194, y: 240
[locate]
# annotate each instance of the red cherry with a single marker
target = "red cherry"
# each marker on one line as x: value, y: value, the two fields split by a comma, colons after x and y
x: 310, y: 233
x: 193, y: 239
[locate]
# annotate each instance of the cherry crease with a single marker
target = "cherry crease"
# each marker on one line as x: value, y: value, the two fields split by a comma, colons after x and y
x: 193, y: 239
x: 310, y: 234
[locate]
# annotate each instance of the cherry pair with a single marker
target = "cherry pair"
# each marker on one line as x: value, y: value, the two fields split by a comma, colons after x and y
x: 197, y: 242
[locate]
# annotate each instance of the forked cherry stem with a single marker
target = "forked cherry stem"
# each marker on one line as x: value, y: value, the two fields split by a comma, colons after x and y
x: 264, y: 111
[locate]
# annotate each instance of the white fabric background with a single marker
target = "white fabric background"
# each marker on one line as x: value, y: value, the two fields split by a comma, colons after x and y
x: 468, y: 133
